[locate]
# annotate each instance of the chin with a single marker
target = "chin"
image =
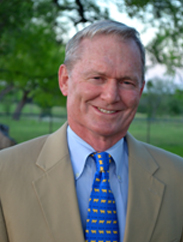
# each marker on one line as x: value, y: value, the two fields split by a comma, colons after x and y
x: 107, y: 132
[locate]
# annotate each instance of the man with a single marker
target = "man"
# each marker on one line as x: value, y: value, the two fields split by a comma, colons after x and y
x: 45, y: 183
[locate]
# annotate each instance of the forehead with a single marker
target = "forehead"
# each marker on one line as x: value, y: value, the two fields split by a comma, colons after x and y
x: 109, y: 51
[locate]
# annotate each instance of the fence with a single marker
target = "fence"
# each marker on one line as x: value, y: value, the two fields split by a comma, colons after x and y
x: 166, y: 133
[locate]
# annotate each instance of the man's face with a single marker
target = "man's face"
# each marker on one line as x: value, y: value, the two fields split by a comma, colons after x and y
x: 104, y: 88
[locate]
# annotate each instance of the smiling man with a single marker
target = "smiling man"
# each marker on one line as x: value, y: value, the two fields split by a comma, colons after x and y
x: 91, y: 180
x: 103, y: 89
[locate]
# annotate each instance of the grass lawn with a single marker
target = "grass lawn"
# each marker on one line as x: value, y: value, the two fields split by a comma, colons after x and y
x: 166, y: 135
x: 26, y: 129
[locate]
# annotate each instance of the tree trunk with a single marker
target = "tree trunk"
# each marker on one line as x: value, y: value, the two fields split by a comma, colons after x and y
x: 21, y: 104
x: 5, y: 91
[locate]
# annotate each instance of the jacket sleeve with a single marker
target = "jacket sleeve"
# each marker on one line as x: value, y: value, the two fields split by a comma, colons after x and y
x: 3, y: 231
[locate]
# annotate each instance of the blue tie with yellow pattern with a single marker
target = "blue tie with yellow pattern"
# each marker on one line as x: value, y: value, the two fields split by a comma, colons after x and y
x: 102, y: 223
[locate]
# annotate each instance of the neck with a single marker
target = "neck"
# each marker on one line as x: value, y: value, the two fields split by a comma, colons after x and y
x: 98, y: 142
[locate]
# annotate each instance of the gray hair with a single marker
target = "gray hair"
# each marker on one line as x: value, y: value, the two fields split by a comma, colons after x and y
x: 104, y: 27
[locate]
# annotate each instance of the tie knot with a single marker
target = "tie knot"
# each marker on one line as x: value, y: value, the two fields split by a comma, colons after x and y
x: 102, y: 159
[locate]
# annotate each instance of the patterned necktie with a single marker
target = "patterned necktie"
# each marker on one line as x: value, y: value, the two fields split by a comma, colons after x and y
x: 102, y: 224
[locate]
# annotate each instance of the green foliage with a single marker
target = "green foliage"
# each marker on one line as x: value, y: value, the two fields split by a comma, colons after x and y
x: 34, y: 62
x: 166, y: 17
x: 161, y: 97
x: 30, y: 54
x: 176, y: 102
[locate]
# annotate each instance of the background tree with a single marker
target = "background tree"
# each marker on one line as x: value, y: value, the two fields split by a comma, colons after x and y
x: 176, y: 103
x: 31, y: 45
x: 166, y: 17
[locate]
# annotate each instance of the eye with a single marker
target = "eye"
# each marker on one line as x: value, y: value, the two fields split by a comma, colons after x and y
x: 97, y: 80
x: 97, y: 77
x: 128, y: 83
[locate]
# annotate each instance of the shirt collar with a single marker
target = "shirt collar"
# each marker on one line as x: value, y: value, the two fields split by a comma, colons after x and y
x: 80, y: 150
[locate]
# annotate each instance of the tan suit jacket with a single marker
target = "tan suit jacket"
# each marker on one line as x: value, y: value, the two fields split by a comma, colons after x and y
x: 38, y: 200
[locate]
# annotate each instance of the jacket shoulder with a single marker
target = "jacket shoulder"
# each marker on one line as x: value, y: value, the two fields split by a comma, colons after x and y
x: 161, y: 154
x: 149, y: 153
x: 24, y: 151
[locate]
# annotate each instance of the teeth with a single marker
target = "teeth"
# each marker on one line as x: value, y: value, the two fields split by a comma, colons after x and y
x: 105, y: 111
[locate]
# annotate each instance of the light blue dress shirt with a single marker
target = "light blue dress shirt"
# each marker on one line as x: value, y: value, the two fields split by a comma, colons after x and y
x: 84, y: 169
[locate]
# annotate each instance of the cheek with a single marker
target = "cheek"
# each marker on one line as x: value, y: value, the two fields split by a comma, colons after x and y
x: 87, y: 91
x: 131, y: 99
x: 78, y: 96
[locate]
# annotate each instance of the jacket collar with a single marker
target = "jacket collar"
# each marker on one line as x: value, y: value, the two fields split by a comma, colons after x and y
x: 54, y: 149
x: 145, y: 192
x: 55, y: 190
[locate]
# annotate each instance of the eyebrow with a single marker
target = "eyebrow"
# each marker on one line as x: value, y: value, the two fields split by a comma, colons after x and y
x: 92, y: 72
x: 104, y: 74
x: 95, y: 72
x: 128, y: 78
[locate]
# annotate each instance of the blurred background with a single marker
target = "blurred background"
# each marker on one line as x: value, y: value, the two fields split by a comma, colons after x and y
x: 33, y: 34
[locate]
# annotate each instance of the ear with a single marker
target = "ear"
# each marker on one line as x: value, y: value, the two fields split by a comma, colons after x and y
x: 142, y: 88
x: 63, y: 79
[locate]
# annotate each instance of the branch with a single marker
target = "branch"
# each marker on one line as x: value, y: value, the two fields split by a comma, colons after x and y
x: 81, y: 11
x: 79, y: 7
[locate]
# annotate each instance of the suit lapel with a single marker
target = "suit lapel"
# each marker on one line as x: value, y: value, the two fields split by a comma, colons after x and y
x: 145, y: 193
x: 55, y: 190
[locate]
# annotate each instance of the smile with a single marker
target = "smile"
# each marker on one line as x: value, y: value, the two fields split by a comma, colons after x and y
x: 105, y: 111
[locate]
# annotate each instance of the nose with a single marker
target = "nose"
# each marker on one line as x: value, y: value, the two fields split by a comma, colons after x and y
x: 110, y: 92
